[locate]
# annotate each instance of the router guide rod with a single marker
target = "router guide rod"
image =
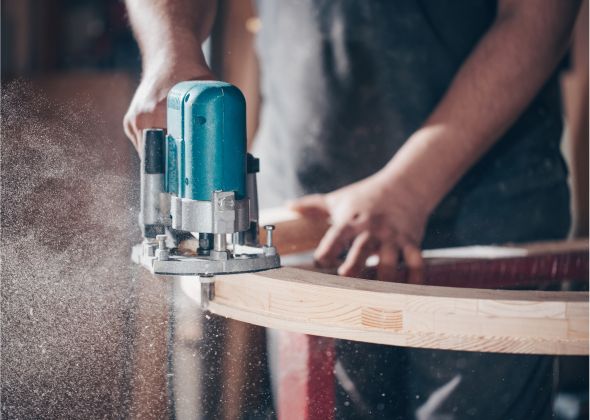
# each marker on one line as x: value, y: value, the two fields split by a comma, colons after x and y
x: 198, y: 180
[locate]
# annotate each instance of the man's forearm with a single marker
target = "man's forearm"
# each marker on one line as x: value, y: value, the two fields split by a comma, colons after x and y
x: 169, y: 34
x: 493, y: 87
x: 171, y: 30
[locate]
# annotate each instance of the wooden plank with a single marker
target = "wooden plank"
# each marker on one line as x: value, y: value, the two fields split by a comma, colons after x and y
x: 518, y: 308
x: 408, y: 315
x: 294, y: 233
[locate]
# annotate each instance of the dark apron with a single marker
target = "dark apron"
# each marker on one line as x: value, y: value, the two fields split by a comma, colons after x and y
x: 344, y: 84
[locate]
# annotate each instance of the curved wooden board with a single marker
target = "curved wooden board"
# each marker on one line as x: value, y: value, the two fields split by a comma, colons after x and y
x: 499, y: 321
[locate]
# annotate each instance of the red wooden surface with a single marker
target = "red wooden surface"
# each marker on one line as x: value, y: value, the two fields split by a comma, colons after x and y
x: 501, y: 272
x: 306, y: 377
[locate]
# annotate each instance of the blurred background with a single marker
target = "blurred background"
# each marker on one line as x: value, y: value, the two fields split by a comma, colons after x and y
x: 102, y: 339
x: 80, y: 57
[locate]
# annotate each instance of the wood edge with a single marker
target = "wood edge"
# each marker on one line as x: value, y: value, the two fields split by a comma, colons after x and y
x: 320, y: 279
x: 433, y: 341
x: 573, y: 341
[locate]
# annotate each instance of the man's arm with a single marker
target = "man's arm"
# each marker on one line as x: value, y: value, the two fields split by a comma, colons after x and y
x: 169, y: 34
x: 387, y: 212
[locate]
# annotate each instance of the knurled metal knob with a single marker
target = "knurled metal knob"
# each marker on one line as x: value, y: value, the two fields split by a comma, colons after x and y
x: 162, y: 253
x: 161, y: 241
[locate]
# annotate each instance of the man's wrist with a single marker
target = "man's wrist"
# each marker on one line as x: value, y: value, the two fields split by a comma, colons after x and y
x: 418, y: 173
x: 173, y: 60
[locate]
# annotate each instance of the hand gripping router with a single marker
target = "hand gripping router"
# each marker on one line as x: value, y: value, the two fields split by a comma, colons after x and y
x: 199, y: 179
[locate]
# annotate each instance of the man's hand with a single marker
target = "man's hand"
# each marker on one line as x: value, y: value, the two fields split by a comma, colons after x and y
x: 386, y: 213
x: 372, y: 217
x: 170, y: 34
x: 148, y: 107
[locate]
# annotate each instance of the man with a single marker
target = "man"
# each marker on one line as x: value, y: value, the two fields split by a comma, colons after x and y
x: 412, y: 123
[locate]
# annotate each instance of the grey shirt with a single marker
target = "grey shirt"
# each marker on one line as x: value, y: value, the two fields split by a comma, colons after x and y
x: 345, y: 83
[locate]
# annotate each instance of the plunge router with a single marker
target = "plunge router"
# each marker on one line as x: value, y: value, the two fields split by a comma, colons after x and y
x: 198, y: 181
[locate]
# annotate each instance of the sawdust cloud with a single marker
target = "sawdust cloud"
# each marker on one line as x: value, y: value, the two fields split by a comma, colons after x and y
x: 67, y: 283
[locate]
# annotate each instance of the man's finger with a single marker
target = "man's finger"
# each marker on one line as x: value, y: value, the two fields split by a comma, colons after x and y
x: 313, y: 205
x: 388, y: 260
x: 130, y: 131
x: 415, y: 263
x: 143, y: 121
x: 413, y: 256
x: 363, y: 246
x: 336, y: 240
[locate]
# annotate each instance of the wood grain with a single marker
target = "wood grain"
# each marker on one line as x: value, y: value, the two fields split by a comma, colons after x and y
x: 294, y: 233
x: 503, y: 321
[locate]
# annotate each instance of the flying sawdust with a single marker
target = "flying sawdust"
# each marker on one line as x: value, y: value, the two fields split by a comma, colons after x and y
x: 67, y: 282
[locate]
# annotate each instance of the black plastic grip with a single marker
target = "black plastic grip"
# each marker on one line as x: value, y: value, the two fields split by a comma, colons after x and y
x: 153, y: 151
x: 252, y: 164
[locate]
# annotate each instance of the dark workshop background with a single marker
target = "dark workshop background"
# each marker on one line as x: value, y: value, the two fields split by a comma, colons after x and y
x: 83, y: 52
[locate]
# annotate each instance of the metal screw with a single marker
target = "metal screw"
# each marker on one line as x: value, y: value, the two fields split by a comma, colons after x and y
x: 269, y: 229
x: 161, y: 241
x: 226, y: 203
